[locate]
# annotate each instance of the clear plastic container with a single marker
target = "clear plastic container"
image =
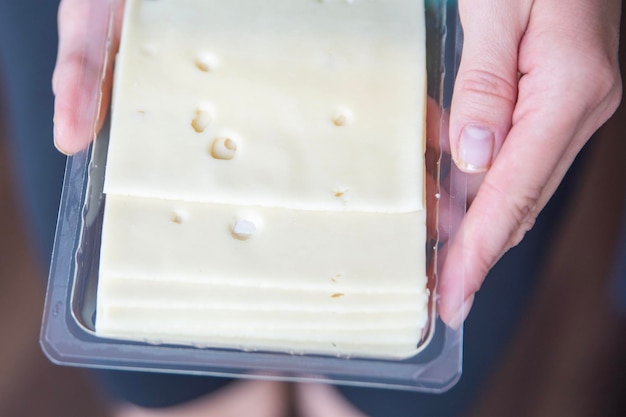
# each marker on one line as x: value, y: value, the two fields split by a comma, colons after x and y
x: 68, y: 332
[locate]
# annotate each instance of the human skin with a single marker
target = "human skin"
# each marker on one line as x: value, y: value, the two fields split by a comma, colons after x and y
x: 83, y: 73
x: 537, y: 78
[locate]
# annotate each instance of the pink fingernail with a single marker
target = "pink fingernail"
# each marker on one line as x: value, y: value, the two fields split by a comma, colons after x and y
x: 476, y: 148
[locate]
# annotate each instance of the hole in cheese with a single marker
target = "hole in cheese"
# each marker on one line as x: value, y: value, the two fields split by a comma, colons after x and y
x: 201, y: 121
x: 223, y: 148
x: 341, y: 117
x: 177, y: 218
x: 206, y: 62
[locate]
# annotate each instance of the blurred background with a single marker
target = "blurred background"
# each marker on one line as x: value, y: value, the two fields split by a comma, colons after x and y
x: 565, y: 357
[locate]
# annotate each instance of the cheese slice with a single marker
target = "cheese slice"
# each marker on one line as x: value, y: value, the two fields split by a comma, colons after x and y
x: 165, y: 240
x: 319, y: 99
x: 264, y: 179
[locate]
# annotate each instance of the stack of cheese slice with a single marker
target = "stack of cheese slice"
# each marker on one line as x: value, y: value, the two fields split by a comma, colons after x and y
x: 264, y: 181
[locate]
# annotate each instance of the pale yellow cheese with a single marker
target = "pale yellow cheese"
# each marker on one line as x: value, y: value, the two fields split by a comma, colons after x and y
x: 326, y: 281
x: 264, y: 178
x: 318, y: 97
x: 166, y: 240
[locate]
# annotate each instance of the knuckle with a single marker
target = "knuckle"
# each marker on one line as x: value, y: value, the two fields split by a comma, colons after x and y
x: 520, y: 207
x: 518, y: 203
x: 525, y: 226
x: 487, y: 88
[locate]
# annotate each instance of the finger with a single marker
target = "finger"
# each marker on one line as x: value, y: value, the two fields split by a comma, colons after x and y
x: 85, y: 37
x: 485, y: 90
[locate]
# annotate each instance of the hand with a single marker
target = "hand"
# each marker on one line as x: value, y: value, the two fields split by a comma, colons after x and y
x: 89, y: 33
x: 537, y: 78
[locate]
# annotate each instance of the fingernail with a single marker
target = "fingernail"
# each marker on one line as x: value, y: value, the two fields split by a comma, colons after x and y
x: 462, y: 314
x: 55, y: 135
x: 476, y: 148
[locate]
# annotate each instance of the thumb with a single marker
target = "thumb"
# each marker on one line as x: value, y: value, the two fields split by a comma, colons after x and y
x: 81, y: 79
x: 485, y: 91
